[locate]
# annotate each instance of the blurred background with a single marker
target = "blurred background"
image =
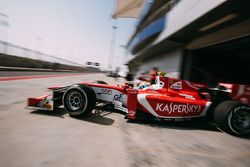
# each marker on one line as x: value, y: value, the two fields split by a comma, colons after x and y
x: 46, y: 43
x: 202, y: 41
x: 59, y: 33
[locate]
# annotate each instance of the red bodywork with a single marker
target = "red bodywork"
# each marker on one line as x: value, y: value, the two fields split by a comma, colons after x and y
x: 168, y: 98
x: 238, y: 92
x: 172, y: 99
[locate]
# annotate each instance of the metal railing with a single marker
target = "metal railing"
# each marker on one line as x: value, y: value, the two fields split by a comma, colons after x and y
x: 20, y: 51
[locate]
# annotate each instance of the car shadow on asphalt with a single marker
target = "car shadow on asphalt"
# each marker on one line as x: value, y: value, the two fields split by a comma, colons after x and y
x: 94, y: 117
x: 98, y: 118
x: 58, y: 113
x: 181, y: 125
x: 198, y: 124
x: 99, y: 115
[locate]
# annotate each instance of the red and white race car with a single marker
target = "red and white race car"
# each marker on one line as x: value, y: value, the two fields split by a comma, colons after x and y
x: 168, y: 99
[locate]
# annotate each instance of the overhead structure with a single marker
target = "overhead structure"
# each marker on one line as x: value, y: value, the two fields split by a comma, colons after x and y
x: 128, y: 8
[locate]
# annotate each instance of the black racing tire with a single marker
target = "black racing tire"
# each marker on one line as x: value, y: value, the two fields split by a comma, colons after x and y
x: 79, y: 100
x: 233, y: 117
x: 101, y: 82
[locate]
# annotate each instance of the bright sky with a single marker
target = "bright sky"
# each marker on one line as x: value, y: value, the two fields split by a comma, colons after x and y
x: 78, y: 30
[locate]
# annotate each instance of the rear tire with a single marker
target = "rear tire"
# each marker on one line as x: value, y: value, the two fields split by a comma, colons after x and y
x: 233, y: 117
x: 79, y: 100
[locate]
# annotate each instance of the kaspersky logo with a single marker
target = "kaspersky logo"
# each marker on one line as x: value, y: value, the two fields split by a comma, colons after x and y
x: 178, y: 108
x: 176, y: 85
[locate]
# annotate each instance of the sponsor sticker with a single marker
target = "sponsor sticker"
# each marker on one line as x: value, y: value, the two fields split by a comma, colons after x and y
x: 118, y: 97
x: 106, y: 91
x: 177, y: 85
x: 178, y: 108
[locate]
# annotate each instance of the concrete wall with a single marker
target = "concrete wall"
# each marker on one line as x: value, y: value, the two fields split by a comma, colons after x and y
x: 184, y: 13
x: 167, y: 62
x: 15, y: 61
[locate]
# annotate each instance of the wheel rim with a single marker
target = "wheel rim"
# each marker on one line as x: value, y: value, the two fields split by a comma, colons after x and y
x: 75, y: 100
x: 241, y: 120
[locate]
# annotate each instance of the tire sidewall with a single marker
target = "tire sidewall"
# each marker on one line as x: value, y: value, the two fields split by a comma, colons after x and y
x: 223, y: 116
x: 83, y: 108
x: 235, y: 109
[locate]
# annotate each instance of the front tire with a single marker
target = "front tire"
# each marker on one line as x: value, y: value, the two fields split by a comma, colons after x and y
x: 79, y: 100
x: 233, y: 117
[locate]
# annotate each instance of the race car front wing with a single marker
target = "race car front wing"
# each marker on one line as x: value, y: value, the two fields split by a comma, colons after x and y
x: 40, y: 103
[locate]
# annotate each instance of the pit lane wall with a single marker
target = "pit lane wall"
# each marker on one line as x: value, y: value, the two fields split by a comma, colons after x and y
x: 10, y: 63
x: 16, y: 57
